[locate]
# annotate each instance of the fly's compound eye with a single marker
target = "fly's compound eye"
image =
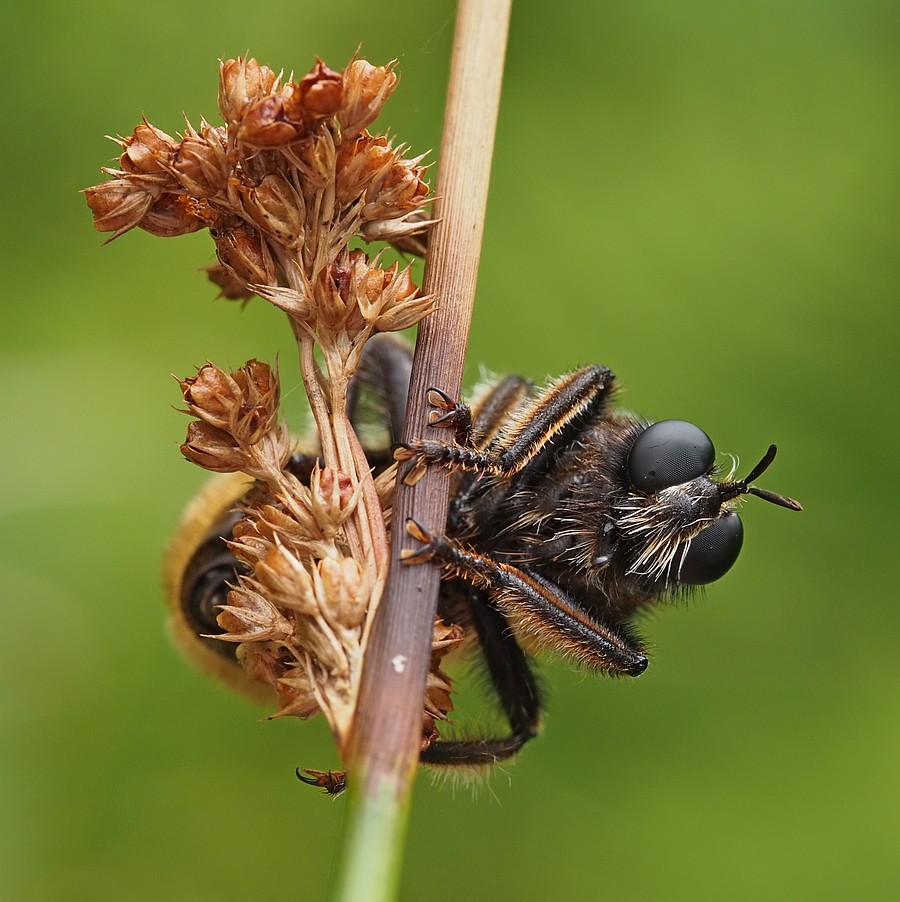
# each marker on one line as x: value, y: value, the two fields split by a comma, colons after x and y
x: 713, y: 551
x: 669, y: 453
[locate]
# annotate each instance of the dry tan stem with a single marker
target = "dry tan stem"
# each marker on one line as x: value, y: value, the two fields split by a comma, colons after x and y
x: 387, y: 732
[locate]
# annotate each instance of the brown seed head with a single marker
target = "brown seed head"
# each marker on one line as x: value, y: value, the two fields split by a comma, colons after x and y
x: 336, y: 304
x: 283, y: 579
x: 200, y: 163
x: 332, y: 499
x: 320, y: 92
x: 359, y: 161
x: 241, y: 83
x: 366, y: 90
x: 147, y: 150
x: 212, y: 396
x: 265, y: 124
x: 272, y: 525
x: 213, y: 449
x: 241, y: 249
x: 439, y: 686
x: 278, y: 209
x: 315, y: 158
x: 259, y: 384
x: 248, y: 617
x: 118, y: 205
x: 243, y: 404
x: 396, y: 188
x: 346, y: 590
x: 388, y: 299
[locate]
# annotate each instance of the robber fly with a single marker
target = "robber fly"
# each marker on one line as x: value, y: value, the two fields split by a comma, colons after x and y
x: 567, y: 517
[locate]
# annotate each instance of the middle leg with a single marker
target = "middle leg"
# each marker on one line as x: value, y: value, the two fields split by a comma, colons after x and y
x: 536, y: 606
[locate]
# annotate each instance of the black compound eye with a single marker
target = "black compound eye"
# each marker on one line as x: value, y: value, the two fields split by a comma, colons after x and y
x: 669, y: 453
x: 713, y: 551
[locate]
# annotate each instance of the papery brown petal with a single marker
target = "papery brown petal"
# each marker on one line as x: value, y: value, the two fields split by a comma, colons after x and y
x: 257, y: 411
x: 170, y: 216
x: 212, y: 448
x: 297, y: 528
x: 321, y: 91
x: 315, y: 157
x: 259, y: 381
x: 241, y: 249
x: 242, y: 82
x: 364, y: 282
x: 320, y: 641
x: 332, y: 498
x: 248, y: 617
x: 296, y: 695
x: 253, y: 423
x: 200, y: 164
x: 118, y: 205
x: 229, y: 287
x: 346, y: 591
x: 264, y: 124
x: 438, y: 687
x: 407, y: 234
x: 212, y: 395
x: 147, y: 149
x: 366, y: 90
x: 332, y: 306
x: 277, y: 209
x: 341, y: 276
x: 359, y: 162
x: 396, y: 191
x: 286, y: 581
x: 292, y: 302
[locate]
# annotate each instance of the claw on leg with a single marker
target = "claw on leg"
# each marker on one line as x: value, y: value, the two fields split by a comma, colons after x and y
x: 421, y: 555
x: 419, y: 467
x: 333, y: 782
x: 440, y: 400
x: 455, y: 415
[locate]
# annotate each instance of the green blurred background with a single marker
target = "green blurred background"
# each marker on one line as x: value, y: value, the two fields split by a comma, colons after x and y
x: 702, y: 195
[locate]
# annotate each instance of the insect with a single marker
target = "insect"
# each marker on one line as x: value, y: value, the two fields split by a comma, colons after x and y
x: 567, y: 517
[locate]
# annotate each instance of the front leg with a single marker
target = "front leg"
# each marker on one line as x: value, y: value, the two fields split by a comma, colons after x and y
x: 555, y: 414
x: 536, y: 606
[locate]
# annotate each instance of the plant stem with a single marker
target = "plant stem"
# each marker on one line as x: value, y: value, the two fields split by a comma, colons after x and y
x: 382, y: 755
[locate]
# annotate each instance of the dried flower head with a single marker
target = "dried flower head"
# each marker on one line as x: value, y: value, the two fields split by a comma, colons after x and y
x: 284, y: 185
